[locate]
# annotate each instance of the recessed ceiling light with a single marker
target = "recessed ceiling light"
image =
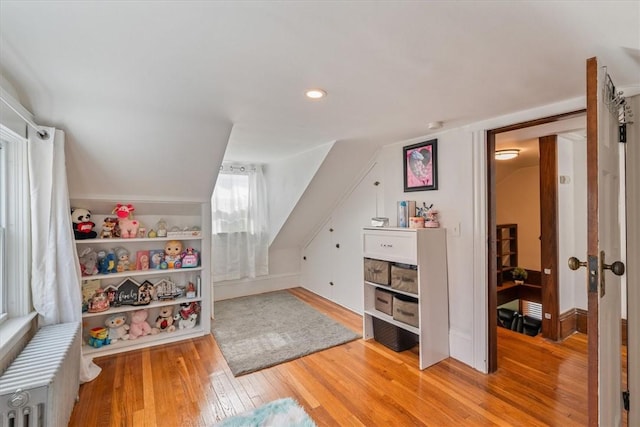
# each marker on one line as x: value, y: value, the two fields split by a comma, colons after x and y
x: 507, y: 154
x: 315, y: 93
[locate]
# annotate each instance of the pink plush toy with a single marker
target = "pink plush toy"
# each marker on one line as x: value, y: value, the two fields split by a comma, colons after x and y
x: 139, y: 326
x: 128, y: 225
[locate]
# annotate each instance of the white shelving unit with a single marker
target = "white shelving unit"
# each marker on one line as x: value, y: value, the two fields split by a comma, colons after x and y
x: 426, y: 249
x: 180, y: 214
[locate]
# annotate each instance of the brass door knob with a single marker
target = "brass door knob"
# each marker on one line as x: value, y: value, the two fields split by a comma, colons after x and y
x: 616, y: 268
x: 575, y: 263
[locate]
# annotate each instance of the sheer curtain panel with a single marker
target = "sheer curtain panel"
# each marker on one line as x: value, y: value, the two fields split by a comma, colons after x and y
x: 240, y: 226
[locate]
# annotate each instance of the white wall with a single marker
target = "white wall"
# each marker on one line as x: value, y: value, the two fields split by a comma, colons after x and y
x: 572, y: 221
x: 518, y: 202
x: 287, y: 179
x: 455, y: 200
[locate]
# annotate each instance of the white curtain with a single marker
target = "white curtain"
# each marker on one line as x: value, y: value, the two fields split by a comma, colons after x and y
x: 240, y: 224
x: 55, y: 273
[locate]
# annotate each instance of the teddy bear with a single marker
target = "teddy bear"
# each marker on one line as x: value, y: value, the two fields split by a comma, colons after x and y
x: 88, y: 262
x: 117, y: 327
x: 189, y: 322
x: 128, y: 225
x: 139, y: 327
x: 82, y: 224
x: 165, y: 319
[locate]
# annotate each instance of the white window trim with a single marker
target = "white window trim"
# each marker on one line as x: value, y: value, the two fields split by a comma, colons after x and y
x: 18, y: 215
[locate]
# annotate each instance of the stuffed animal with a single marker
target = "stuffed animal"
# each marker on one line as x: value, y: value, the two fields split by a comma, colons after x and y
x: 117, y: 327
x: 128, y: 225
x: 122, y: 260
x: 188, y: 323
x: 139, y: 326
x: 173, y: 254
x: 109, y: 228
x: 88, y: 262
x: 82, y: 226
x: 106, y: 262
x: 165, y: 319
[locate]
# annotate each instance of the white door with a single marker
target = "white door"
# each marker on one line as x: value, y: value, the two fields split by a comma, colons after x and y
x: 604, y: 247
x: 316, y: 269
x: 348, y: 220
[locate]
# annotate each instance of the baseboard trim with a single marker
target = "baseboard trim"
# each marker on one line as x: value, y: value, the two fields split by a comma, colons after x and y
x: 575, y: 320
x: 243, y: 287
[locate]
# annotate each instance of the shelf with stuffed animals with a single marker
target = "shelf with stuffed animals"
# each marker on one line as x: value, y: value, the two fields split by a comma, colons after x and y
x: 142, y: 259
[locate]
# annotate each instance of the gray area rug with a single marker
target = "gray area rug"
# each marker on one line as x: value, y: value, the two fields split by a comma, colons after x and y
x: 259, y: 331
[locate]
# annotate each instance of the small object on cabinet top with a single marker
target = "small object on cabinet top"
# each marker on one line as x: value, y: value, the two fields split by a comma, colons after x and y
x: 380, y: 222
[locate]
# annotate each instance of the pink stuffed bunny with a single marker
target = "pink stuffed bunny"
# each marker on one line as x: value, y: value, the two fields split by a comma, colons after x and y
x: 139, y: 326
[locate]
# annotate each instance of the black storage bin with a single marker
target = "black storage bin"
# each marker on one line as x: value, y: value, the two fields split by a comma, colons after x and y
x: 516, y: 325
x: 393, y: 337
x: 531, y: 326
x: 505, y: 317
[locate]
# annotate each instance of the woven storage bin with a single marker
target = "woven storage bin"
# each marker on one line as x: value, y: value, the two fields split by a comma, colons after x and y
x: 405, y: 310
x: 393, y: 337
x: 404, y: 279
x: 376, y: 271
x: 384, y: 301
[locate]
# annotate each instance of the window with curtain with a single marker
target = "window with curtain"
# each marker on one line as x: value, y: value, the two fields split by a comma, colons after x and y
x: 240, y: 226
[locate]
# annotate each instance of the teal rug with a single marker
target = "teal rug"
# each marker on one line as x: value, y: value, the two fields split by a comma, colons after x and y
x: 279, y: 413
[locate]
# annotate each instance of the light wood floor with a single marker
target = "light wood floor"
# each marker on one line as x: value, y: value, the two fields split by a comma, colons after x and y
x: 539, y: 383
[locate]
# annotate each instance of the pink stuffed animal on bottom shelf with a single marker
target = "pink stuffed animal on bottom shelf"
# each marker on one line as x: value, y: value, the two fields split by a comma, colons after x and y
x: 139, y: 326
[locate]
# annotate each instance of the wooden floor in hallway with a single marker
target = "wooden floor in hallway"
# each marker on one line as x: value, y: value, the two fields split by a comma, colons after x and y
x: 361, y: 383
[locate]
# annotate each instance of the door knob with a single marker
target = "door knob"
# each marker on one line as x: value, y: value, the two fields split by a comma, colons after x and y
x: 575, y: 263
x: 616, y: 268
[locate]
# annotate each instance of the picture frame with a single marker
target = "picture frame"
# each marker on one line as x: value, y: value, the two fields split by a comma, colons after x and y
x: 420, y: 166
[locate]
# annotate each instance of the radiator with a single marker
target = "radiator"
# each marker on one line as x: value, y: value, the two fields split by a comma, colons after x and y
x: 41, y: 385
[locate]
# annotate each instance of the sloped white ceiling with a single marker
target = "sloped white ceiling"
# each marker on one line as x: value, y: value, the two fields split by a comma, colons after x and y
x: 148, y: 92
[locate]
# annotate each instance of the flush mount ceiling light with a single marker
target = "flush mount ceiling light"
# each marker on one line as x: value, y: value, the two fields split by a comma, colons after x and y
x: 507, y: 154
x: 315, y: 93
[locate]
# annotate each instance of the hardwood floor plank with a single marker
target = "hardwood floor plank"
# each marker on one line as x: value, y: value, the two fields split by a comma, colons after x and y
x: 361, y: 383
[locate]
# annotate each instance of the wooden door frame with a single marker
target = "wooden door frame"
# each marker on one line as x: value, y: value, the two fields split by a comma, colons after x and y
x: 492, y: 288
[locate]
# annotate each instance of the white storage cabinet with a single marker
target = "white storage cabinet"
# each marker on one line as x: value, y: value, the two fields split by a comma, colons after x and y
x: 180, y: 214
x: 426, y: 249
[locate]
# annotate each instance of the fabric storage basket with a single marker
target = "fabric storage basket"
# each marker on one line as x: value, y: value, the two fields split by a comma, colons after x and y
x: 384, y: 301
x: 376, y: 271
x: 405, y: 310
x: 404, y: 278
x: 393, y: 337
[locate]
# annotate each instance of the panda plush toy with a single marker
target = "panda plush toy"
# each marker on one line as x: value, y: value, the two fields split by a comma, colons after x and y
x: 82, y: 225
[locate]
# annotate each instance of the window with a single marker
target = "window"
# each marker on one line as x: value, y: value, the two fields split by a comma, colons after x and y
x: 240, y: 226
x: 14, y: 226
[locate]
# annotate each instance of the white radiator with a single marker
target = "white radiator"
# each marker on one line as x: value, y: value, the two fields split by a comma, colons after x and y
x: 41, y: 385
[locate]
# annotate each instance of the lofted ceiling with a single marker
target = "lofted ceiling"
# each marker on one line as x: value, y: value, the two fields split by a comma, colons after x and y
x: 148, y: 82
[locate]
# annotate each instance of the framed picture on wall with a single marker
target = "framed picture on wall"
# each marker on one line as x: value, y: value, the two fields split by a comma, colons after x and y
x: 420, y: 166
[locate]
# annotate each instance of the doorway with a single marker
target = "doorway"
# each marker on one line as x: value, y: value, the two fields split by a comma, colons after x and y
x: 544, y: 131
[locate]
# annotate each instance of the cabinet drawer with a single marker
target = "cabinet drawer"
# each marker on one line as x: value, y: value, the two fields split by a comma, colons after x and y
x: 405, y: 309
x: 376, y: 271
x: 404, y: 279
x: 393, y: 246
x: 384, y: 301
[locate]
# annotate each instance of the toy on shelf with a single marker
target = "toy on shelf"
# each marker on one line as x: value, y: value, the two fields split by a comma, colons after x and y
x: 109, y: 228
x: 82, y: 225
x: 142, y: 232
x: 172, y: 254
x: 161, y: 228
x: 98, y: 337
x: 432, y: 219
x: 167, y: 290
x: 189, y: 322
x: 190, y: 258
x: 128, y: 225
x: 118, y: 328
x: 152, y: 234
x: 106, y: 262
x: 139, y: 327
x: 122, y: 257
x: 189, y: 308
x: 88, y: 262
x: 165, y: 319
x: 98, y: 302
